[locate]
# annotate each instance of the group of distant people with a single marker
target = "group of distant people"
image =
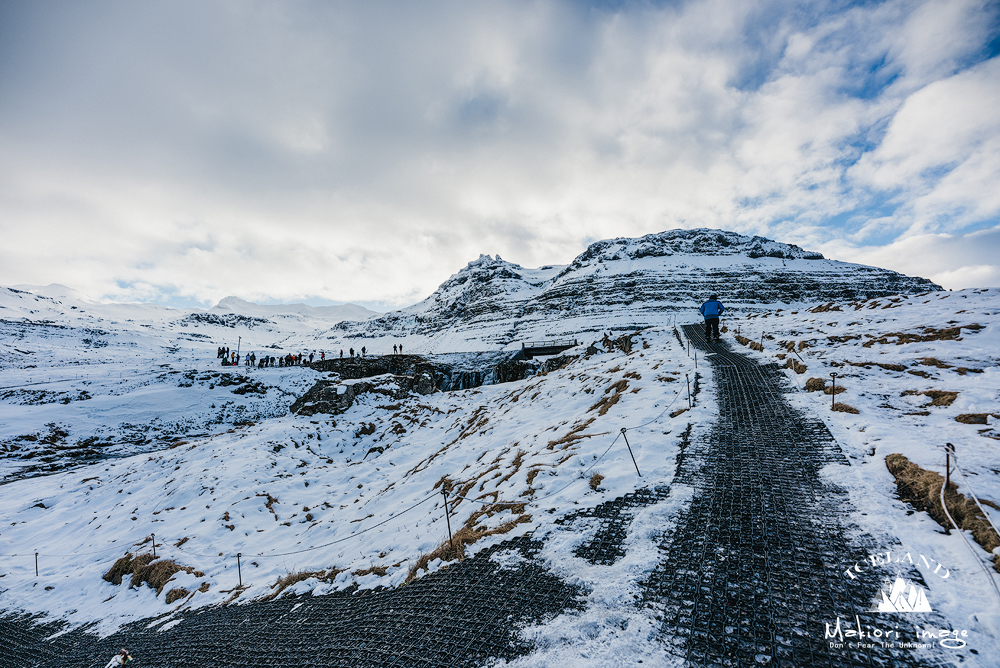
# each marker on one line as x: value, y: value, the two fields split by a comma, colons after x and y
x: 233, y: 358
x: 230, y: 358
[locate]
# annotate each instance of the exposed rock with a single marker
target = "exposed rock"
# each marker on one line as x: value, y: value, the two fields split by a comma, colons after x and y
x: 334, y: 397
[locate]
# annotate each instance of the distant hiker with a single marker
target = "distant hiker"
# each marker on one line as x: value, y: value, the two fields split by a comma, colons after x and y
x: 322, y: 356
x: 122, y: 658
x: 310, y: 358
x: 352, y: 352
x: 712, y: 309
x: 341, y: 353
x: 363, y: 351
x: 394, y: 349
x: 400, y: 348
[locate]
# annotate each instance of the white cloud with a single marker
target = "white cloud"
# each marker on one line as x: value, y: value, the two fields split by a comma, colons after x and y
x: 365, y: 152
x: 953, y: 261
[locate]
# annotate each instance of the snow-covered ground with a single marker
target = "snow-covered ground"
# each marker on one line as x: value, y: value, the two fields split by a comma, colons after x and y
x: 358, y: 495
x: 296, y: 494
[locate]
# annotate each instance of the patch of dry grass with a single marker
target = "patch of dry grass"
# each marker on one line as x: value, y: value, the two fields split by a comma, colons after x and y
x: 574, y: 435
x: 928, y: 334
x: 145, y: 568
x: 938, y: 397
x: 469, y: 533
x: 922, y: 489
x: 291, y: 579
x: 975, y: 418
x: 176, y: 594
x: 595, y: 481
x: 796, y: 366
x: 845, y: 408
x: 815, y: 385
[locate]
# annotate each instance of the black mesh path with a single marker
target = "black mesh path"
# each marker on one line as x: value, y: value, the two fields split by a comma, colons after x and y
x: 458, y: 616
x: 755, y: 567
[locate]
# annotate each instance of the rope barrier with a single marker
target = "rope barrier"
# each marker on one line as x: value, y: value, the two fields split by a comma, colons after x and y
x: 974, y: 497
x: 975, y: 553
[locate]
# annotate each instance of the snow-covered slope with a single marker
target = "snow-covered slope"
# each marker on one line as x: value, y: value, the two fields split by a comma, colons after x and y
x: 81, y: 380
x: 365, y: 486
x: 621, y: 284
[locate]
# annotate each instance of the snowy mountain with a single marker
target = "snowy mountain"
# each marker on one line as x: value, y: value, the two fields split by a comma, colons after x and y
x: 332, y: 313
x: 625, y: 284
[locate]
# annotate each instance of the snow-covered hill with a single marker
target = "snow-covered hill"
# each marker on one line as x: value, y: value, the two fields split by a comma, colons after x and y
x: 621, y: 284
x: 129, y: 427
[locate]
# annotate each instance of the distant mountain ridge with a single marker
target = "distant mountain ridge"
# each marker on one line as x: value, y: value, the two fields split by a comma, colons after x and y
x: 337, y: 312
x: 626, y: 283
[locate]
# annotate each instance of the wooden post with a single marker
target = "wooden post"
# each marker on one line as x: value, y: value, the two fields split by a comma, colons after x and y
x: 447, y: 519
x: 833, y: 390
x: 948, y: 450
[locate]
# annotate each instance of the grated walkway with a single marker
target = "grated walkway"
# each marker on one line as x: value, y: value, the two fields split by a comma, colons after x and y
x: 754, y: 569
x: 462, y: 615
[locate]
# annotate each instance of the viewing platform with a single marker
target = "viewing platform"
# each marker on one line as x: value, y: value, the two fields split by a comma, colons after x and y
x: 551, y: 347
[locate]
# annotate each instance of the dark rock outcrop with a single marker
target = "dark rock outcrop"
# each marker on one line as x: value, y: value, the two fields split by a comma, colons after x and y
x: 333, y: 397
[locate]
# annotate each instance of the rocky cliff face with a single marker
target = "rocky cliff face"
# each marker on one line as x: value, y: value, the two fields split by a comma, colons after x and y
x: 628, y: 283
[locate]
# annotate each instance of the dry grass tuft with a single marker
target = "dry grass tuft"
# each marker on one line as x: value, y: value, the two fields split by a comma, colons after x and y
x: 928, y: 334
x: 974, y: 418
x: 938, y: 397
x: 834, y: 390
x: 595, y: 481
x: 823, y: 308
x: 844, y: 408
x: 677, y: 412
x: 377, y: 570
x: 574, y: 435
x: 176, y: 594
x: 922, y: 489
x: 935, y: 362
x: 815, y: 385
x: 796, y: 366
x: 454, y: 550
x: 606, y: 402
x: 145, y: 568
x: 291, y: 579
x: 941, y: 398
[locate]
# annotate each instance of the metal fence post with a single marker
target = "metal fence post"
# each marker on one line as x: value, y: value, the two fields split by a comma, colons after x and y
x: 833, y: 390
x: 630, y: 452
x: 239, y: 569
x: 447, y: 518
x: 36, y: 564
x: 688, y: 379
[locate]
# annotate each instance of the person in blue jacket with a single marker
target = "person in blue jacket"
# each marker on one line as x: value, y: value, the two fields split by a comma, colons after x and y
x: 712, y: 309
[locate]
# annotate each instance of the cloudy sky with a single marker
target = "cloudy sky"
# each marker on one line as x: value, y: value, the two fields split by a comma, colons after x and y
x: 364, y: 151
